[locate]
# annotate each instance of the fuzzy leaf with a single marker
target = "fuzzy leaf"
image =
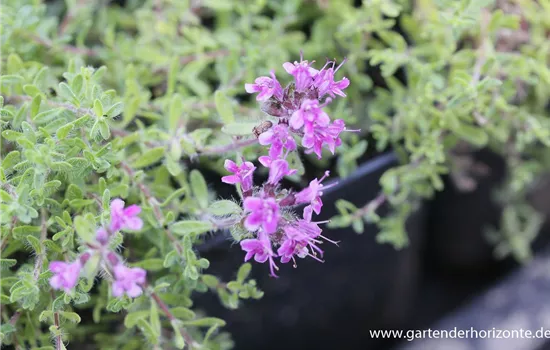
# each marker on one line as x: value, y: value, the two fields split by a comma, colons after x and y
x: 148, y: 158
x: 191, y: 227
x: 224, y: 207
x: 239, y: 129
x: 224, y: 108
x: 200, y: 190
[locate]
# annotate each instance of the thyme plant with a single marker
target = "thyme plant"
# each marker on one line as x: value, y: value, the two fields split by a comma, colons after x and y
x: 113, y: 113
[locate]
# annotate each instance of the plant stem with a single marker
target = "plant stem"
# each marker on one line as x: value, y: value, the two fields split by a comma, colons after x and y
x: 156, y: 208
x: 67, y: 48
x: 43, y: 236
x: 188, y: 339
x: 58, y: 340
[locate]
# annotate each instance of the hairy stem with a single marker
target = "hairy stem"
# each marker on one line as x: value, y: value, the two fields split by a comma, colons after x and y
x: 162, y: 305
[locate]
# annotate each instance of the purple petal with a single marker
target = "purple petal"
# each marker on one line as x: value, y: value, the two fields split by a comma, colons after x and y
x: 230, y: 166
x: 57, y: 266
x: 251, y: 88
x: 252, y: 203
x: 261, y: 257
x: 134, y: 291
x: 289, y: 67
x: 132, y: 210
x: 231, y: 179
x: 118, y: 291
x: 134, y: 223
x: 270, y: 226
x: 117, y: 205
x: 250, y: 244
x: 264, y: 95
x: 56, y: 282
x: 296, y: 120
x: 265, y: 161
x: 266, y: 138
x: 252, y: 222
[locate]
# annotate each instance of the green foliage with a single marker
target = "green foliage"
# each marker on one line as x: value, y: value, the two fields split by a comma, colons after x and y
x: 101, y: 102
x: 474, y: 74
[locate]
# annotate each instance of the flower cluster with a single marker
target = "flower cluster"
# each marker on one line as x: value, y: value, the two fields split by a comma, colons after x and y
x: 126, y: 280
x: 299, y: 108
x: 276, y: 232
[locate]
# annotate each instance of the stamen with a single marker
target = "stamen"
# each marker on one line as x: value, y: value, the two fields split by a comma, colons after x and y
x: 329, y: 240
x: 341, y: 64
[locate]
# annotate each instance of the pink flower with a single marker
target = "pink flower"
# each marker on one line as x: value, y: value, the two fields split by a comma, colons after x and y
x: 324, y: 134
x: 292, y: 245
x: 278, y: 169
x: 309, y: 115
x: 312, y: 195
x: 264, y: 212
x: 302, y: 72
x: 65, y: 275
x: 102, y: 236
x: 278, y: 137
x: 124, y: 218
x: 242, y: 174
x: 325, y: 84
x: 128, y: 280
x: 266, y: 87
x: 309, y: 228
x: 298, y: 242
x: 261, y: 250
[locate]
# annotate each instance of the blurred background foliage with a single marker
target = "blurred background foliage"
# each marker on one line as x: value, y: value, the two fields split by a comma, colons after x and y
x: 104, y: 99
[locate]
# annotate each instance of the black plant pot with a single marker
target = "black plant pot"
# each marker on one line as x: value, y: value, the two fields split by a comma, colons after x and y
x: 362, y: 285
x: 456, y: 242
x: 459, y: 261
x: 501, y: 316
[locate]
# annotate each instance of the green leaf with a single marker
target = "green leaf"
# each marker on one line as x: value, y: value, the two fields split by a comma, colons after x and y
x: 210, y: 281
x: 205, y: 322
x: 70, y: 316
x: 243, y: 272
x: 98, y: 108
x: 200, y: 190
x: 11, y: 135
x: 155, y: 318
x: 175, y: 112
x: 150, y: 157
x: 11, y: 79
x: 35, y: 244
x: 132, y: 318
x: 85, y: 228
x: 46, y: 316
x: 154, y: 264
x: 31, y: 90
x: 239, y: 129
x: 7, y: 263
x: 182, y: 313
x: 77, y: 84
x: 224, y: 108
x: 47, y: 116
x: 224, y: 207
x: 473, y: 134
x: 5, y: 196
x: 115, y: 110
x: 65, y: 92
x: 104, y: 129
x: 191, y: 227
x: 148, y: 331
x: 178, y: 338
